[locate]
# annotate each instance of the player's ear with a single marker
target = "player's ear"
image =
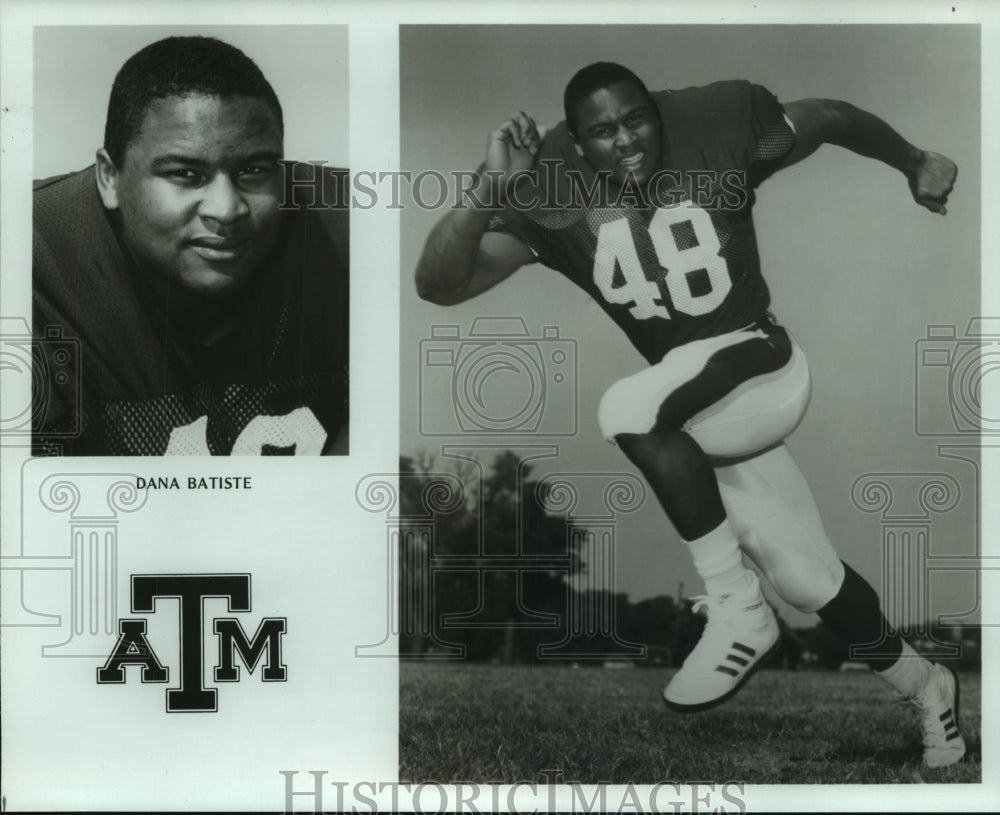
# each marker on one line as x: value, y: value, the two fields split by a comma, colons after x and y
x: 576, y: 141
x: 107, y: 179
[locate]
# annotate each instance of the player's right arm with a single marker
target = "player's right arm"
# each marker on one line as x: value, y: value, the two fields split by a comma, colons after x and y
x: 460, y: 258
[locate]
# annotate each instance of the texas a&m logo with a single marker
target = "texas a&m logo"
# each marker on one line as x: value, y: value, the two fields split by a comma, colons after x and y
x: 192, y: 592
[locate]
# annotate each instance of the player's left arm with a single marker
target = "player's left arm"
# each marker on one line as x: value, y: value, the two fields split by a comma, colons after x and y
x: 930, y: 175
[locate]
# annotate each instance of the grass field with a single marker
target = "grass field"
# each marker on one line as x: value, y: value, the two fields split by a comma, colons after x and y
x: 500, y: 724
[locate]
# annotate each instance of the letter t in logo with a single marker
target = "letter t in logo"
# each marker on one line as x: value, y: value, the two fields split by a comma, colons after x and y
x: 191, y: 590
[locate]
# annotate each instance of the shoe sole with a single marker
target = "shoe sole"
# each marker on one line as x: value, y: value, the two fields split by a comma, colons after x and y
x: 718, y: 700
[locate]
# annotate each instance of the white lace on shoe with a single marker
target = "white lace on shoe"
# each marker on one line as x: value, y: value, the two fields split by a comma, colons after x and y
x: 937, y: 704
x: 740, y: 632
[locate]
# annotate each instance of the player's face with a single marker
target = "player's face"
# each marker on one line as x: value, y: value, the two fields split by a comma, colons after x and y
x: 619, y: 132
x: 199, y: 189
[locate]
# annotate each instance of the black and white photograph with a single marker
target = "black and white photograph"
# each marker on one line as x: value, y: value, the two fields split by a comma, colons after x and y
x: 498, y: 406
x: 697, y: 341
x: 190, y: 287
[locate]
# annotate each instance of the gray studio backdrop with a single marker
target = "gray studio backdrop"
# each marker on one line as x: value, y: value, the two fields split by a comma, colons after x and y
x: 306, y: 65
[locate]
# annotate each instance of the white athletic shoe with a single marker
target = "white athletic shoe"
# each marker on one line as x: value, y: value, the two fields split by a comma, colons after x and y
x: 937, y: 703
x: 741, y: 631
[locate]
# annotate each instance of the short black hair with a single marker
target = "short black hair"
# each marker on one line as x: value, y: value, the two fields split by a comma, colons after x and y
x: 179, y: 66
x: 593, y: 78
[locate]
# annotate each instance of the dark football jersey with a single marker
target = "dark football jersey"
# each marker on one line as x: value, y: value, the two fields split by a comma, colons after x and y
x: 677, y: 261
x: 121, y: 369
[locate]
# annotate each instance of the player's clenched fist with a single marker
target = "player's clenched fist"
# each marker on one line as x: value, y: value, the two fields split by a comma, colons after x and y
x: 512, y: 144
x: 931, y: 181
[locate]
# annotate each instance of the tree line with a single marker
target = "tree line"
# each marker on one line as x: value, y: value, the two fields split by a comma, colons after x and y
x: 488, y: 574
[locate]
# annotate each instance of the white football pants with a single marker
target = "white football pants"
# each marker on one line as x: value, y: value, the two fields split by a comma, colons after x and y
x: 740, y: 395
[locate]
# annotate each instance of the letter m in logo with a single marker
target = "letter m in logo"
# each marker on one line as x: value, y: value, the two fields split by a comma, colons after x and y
x: 233, y: 641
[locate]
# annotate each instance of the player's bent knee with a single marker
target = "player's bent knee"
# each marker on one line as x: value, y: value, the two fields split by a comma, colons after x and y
x: 620, y: 412
x: 805, y: 583
x: 757, y: 415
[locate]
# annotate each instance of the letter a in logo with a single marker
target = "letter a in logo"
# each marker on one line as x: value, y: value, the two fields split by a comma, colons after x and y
x: 132, y: 648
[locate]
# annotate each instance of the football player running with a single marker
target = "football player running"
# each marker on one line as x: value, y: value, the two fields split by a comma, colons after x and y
x: 644, y: 200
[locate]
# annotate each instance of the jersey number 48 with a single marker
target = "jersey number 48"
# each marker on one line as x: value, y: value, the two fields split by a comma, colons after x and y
x: 687, y: 247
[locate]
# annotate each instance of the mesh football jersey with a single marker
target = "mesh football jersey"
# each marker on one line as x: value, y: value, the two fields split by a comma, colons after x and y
x: 120, y: 369
x: 678, y: 261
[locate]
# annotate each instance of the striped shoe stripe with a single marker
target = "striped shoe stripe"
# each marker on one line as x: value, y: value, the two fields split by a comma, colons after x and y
x: 743, y: 662
x: 950, y: 725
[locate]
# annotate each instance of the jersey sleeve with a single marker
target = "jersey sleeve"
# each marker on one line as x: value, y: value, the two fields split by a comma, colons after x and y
x: 514, y: 221
x: 497, y: 223
x: 727, y: 125
x: 500, y: 222
x: 540, y: 240
x: 774, y: 137
x: 532, y: 216
x: 762, y: 136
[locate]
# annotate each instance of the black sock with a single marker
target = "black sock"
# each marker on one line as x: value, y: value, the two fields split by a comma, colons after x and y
x: 856, y: 616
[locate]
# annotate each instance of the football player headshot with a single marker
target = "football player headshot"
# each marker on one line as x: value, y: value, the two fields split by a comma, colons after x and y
x: 643, y: 196
x: 190, y: 290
